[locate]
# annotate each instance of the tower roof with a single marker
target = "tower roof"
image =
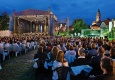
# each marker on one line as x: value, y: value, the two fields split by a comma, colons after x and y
x: 98, y: 10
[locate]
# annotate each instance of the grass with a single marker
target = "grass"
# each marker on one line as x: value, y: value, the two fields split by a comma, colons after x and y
x: 111, y: 39
x: 20, y: 68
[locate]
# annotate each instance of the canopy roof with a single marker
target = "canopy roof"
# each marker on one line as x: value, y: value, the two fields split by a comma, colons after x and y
x: 33, y: 15
x: 31, y: 12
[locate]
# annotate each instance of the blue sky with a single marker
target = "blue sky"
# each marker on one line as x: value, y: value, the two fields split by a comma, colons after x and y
x: 85, y: 9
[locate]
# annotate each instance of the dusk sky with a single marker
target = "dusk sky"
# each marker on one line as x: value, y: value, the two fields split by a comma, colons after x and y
x: 85, y: 9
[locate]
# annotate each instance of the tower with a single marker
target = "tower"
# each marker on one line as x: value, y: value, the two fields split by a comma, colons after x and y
x: 98, y: 16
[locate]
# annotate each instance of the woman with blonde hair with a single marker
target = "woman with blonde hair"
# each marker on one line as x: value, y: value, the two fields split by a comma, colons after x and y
x: 54, y: 53
x: 60, y: 67
x: 60, y: 60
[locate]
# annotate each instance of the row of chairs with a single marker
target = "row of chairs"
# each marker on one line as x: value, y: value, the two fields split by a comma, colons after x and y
x: 17, y: 49
x: 14, y: 49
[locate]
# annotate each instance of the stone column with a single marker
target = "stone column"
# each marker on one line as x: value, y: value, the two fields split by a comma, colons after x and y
x: 41, y: 28
x: 37, y: 27
x: 48, y: 28
x: 18, y: 27
x: 45, y: 26
x: 33, y: 28
x: 30, y: 26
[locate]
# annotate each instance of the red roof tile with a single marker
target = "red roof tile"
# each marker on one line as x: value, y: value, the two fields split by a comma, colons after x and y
x: 106, y: 21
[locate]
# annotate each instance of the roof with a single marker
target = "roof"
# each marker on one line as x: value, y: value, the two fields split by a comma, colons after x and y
x: 31, y: 12
x: 71, y: 27
x: 106, y: 21
x: 95, y: 27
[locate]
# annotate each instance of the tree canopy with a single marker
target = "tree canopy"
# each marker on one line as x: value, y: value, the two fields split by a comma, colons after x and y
x: 4, y: 21
x: 79, y: 24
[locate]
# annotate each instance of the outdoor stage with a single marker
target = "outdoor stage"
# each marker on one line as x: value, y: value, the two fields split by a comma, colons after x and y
x: 35, y: 21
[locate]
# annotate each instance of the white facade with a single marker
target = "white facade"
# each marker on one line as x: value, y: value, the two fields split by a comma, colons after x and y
x: 102, y: 25
x: 114, y: 23
x: 110, y: 25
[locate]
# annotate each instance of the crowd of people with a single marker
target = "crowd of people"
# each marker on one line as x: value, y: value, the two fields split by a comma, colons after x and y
x: 86, y: 58
x: 65, y: 58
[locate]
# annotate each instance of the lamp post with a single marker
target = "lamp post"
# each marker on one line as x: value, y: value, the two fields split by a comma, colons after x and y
x: 57, y: 31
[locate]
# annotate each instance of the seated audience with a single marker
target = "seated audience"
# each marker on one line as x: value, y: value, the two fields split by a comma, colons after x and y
x: 95, y: 62
x: 81, y: 60
x: 54, y: 53
x: 107, y: 66
x: 92, y: 52
x: 112, y: 53
x: 70, y: 55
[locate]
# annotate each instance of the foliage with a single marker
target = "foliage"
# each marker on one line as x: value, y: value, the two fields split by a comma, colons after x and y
x: 79, y: 24
x: 4, y: 21
x: 105, y: 31
x: 112, y: 33
x: 71, y: 31
x: 63, y: 33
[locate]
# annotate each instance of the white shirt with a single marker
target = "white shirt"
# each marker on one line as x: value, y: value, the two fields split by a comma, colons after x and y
x: 1, y: 45
x: 57, y: 64
x: 7, y: 45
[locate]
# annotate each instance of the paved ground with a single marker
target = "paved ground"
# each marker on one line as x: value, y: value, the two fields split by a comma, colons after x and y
x: 20, y: 68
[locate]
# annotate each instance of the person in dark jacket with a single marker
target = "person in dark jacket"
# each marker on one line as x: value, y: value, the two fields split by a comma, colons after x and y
x: 95, y: 62
x: 107, y: 65
x: 40, y: 54
x: 81, y: 60
x: 92, y: 52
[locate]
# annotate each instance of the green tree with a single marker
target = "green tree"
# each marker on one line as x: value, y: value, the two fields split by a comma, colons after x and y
x: 79, y: 24
x: 4, y: 21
